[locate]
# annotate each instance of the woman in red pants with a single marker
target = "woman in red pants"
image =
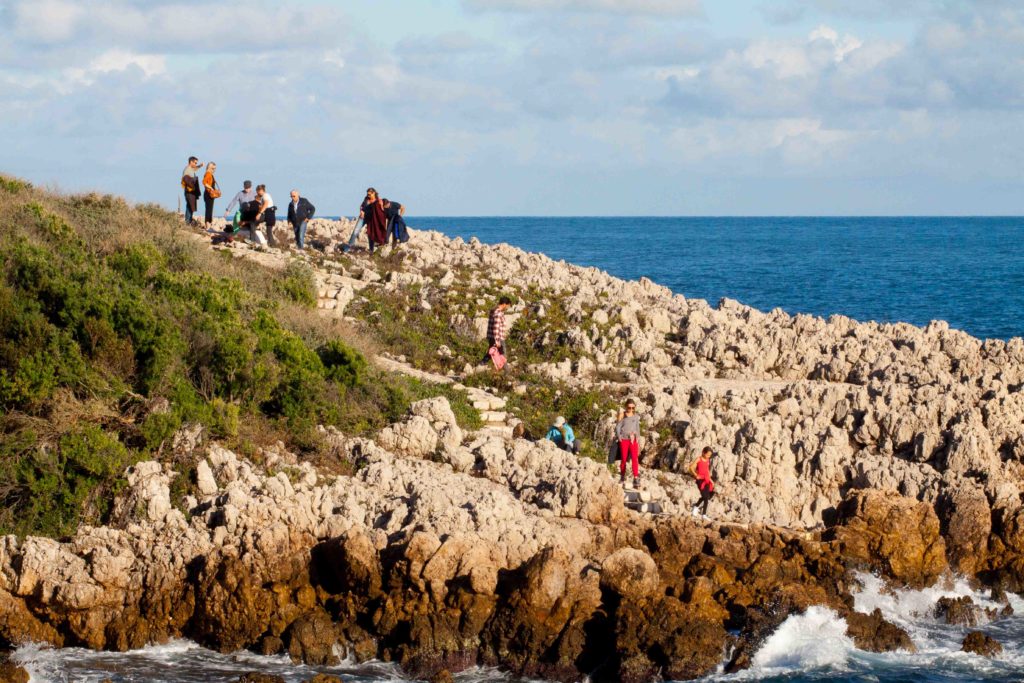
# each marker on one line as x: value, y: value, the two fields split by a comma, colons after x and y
x: 627, y: 431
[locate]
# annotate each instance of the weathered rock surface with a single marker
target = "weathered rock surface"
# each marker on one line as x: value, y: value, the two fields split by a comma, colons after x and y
x: 841, y: 446
x: 981, y: 644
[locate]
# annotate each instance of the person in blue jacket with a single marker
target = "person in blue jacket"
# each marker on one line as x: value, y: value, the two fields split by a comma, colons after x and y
x: 561, y: 434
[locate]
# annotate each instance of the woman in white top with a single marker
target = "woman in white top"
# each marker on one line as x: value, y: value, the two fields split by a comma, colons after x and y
x: 267, y: 211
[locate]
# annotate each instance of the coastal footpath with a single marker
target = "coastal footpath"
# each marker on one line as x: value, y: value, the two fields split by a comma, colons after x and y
x: 842, y: 447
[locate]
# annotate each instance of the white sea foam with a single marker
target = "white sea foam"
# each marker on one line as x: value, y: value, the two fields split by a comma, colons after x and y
x: 815, y: 639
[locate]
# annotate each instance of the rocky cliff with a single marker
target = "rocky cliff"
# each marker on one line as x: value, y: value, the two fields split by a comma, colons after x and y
x: 842, y: 446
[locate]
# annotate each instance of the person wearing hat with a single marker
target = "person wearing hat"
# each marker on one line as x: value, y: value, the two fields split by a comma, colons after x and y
x: 243, y: 199
x: 561, y: 434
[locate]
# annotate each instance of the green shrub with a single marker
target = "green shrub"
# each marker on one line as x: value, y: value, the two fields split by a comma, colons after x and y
x: 298, y: 284
x: 343, y: 364
x: 14, y: 185
x: 53, y: 489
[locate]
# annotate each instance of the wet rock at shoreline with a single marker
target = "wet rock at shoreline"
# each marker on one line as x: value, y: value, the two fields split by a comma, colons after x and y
x: 981, y: 644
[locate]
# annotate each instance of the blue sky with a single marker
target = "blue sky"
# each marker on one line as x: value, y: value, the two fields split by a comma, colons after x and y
x: 533, y: 107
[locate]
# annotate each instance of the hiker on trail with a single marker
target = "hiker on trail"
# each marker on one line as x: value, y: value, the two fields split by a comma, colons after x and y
x: 267, y: 213
x: 701, y: 471
x: 561, y: 434
x: 190, y: 184
x: 211, y: 191
x: 398, y: 231
x: 627, y: 431
x: 299, y: 213
x: 496, y: 329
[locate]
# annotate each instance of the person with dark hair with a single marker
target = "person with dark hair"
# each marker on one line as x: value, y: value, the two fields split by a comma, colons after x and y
x: 300, y: 210
x: 372, y: 213
x: 267, y: 213
x: 244, y: 199
x: 190, y: 184
x: 397, y: 231
x: 496, y: 328
x: 627, y: 431
x: 701, y: 471
x: 211, y: 191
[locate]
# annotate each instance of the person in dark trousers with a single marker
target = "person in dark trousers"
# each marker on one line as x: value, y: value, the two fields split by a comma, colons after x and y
x: 190, y: 184
x: 627, y: 431
x: 267, y: 213
x: 496, y: 328
x: 372, y: 213
x: 244, y: 199
x: 701, y: 471
x: 299, y: 213
x: 398, y: 231
x: 211, y: 191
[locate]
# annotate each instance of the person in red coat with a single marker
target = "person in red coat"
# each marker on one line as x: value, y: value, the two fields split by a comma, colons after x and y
x: 372, y: 213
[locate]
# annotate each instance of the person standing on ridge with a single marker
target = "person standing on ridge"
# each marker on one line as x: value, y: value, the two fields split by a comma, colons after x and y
x: 190, y: 184
x: 701, y: 471
x: 627, y: 431
x: 397, y: 231
x: 299, y: 213
x: 496, y: 328
x: 211, y: 191
x: 267, y: 212
x: 372, y: 213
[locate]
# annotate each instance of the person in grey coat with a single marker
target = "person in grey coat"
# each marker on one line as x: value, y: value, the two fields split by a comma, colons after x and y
x: 627, y: 431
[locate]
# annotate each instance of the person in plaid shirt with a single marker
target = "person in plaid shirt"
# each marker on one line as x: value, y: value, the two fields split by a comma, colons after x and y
x: 496, y: 327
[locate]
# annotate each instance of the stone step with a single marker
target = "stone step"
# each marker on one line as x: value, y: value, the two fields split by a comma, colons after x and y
x: 652, y: 508
x: 493, y: 417
x: 481, y: 404
x: 635, y: 496
x: 504, y: 431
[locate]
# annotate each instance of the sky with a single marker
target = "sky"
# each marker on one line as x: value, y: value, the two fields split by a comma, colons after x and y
x: 527, y: 107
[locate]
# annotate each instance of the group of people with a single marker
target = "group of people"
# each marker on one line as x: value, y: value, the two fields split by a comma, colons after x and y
x: 627, y: 427
x: 382, y: 218
x: 627, y: 433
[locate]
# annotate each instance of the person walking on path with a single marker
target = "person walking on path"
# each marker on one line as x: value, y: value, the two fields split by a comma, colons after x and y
x: 267, y: 212
x: 190, y: 184
x: 243, y: 199
x: 300, y: 210
x: 397, y: 231
x: 561, y: 434
x: 496, y: 329
x: 211, y: 191
x: 627, y: 431
x: 701, y: 471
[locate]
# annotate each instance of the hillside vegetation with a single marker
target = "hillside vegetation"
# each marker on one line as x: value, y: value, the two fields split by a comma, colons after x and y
x: 116, y: 329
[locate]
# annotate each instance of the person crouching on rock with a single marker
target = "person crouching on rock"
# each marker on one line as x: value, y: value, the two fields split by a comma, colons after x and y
x: 627, y: 431
x: 561, y: 434
x: 701, y: 471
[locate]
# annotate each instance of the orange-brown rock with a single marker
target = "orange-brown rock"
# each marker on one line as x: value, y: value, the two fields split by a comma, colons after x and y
x: 892, y: 534
x: 981, y: 644
x: 873, y: 633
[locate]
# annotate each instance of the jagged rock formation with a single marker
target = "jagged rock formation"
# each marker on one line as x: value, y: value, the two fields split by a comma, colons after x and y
x: 842, y: 446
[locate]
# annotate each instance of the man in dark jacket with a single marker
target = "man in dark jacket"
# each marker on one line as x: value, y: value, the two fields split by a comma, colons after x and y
x: 299, y: 212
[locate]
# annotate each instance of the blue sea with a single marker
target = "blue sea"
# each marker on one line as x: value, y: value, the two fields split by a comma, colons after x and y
x: 967, y: 271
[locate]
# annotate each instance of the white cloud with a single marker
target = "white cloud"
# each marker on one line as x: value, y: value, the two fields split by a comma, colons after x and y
x: 46, y: 21
x: 678, y: 8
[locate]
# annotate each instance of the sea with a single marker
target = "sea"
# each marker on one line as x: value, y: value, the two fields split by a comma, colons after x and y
x: 967, y: 271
